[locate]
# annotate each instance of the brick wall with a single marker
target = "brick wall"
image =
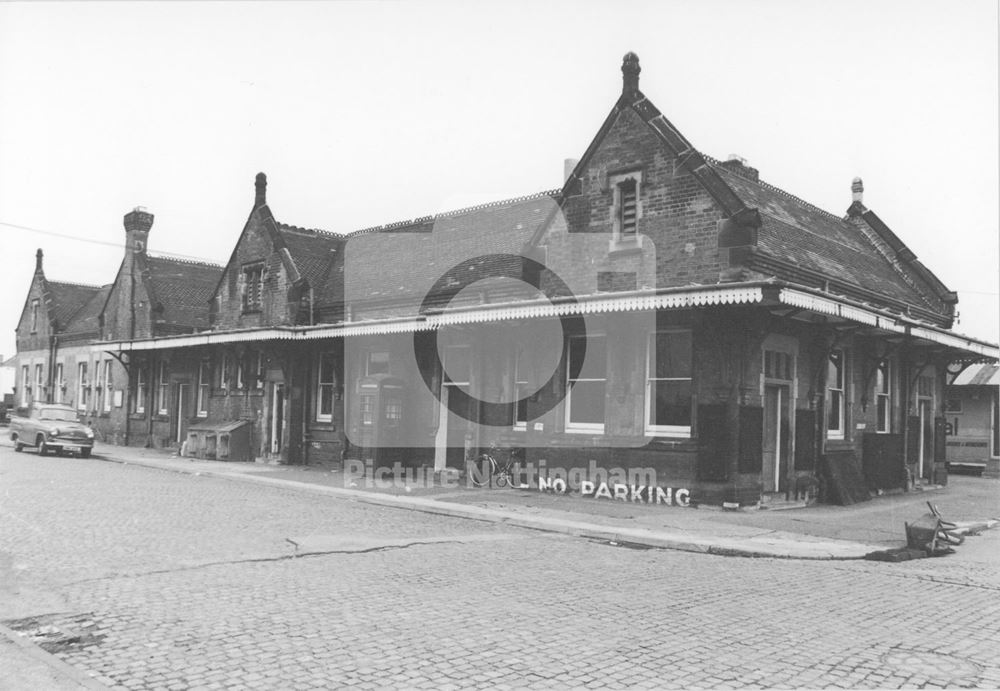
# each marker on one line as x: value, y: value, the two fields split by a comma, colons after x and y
x: 255, y: 245
x: 676, y: 212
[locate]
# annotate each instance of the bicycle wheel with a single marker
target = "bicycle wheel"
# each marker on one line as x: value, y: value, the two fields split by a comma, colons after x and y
x: 485, y: 467
x: 511, y: 478
x: 501, y: 477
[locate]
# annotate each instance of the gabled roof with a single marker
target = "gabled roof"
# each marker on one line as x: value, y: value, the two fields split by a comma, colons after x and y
x: 86, y: 321
x: 795, y: 231
x: 306, y: 254
x: 179, y: 291
x: 787, y: 237
x: 313, y: 253
x: 431, y: 245
x: 66, y: 300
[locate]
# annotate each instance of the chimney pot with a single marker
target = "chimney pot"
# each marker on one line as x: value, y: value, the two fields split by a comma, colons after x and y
x: 260, y: 187
x: 38, y: 259
x: 857, y: 190
x: 630, y: 73
x: 137, y: 225
x: 138, y: 220
x: 738, y: 165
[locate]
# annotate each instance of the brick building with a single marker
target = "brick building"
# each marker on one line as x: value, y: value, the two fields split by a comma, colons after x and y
x: 663, y: 311
x: 54, y: 361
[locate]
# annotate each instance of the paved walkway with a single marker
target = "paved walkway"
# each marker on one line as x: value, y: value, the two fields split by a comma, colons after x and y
x: 813, y: 532
x: 146, y: 578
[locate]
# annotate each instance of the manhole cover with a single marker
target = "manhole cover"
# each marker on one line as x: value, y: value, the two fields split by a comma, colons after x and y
x: 934, y: 666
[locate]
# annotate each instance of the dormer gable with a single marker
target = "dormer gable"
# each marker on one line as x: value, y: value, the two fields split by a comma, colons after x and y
x: 718, y: 222
x: 274, y: 271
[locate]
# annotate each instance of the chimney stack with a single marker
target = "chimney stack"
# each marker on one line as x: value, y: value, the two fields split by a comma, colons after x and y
x: 630, y: 74
x: 260, y: 186
x: 138, y: 221
x: 857, y: 191
x: 38, y: 260
x: 738, y: 165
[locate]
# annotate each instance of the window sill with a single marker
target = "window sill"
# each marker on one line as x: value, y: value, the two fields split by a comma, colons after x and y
x: 677, y: 432
x: 584, y: 430
x: 625, y: 246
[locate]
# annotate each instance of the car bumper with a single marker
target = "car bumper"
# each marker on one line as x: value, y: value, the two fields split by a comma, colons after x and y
x: 70, y: 444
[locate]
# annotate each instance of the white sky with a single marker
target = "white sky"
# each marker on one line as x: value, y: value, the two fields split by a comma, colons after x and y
x: 363, y: 113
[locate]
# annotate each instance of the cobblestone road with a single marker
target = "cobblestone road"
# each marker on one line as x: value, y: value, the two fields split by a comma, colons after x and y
x: 148, y: 579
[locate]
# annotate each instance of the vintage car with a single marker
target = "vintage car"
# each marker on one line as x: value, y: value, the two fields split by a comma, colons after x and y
x: 50, y: 427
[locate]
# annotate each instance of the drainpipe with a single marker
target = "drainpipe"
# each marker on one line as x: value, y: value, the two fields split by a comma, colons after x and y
x: 904, y: 404
x: 50, y: 373
x: 149, y: 406
x: 128, y: 397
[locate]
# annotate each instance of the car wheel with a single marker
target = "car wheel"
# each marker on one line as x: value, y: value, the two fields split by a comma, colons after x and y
x: 43, y: 448
x: 18, y: 446
x: 84, y: 453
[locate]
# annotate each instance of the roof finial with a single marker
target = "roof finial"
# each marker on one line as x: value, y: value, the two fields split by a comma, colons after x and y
x: 38, y: 259
x: 857, y: 190
x: 630, y: 73
x: 260, y: 185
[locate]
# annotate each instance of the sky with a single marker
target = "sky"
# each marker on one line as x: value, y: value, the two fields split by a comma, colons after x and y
x: 365, y: 113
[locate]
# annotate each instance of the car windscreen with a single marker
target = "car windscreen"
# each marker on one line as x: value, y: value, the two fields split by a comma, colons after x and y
x: 57, y: 414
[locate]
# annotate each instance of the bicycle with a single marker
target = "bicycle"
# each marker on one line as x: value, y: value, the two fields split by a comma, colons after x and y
x: 501, y: 474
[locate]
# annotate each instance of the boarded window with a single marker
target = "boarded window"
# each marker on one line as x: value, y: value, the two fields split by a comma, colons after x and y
x: 253, y: 287
x: 628, y: 206
x: 713, y: 442
x: 751, y: 439
x: 805, y: 440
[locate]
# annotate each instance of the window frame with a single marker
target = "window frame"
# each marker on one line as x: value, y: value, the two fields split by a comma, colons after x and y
x: 325, y: 389
x: 60, y: 382
x: 838, y: 433
x: 368, y: 361
x: 162, y: 402
x: 240, y: 373
x: 224, y: 371
x: 260, y: 370
x: 204, y: 388
x: 883, y: 397
x: 34, y: 315
x: 139, y: 403
x: 81, y: 386
x: 107, y: 383
x: 584, y: 427
x: 519, y: 382
x: 618, y: 182
x: 39, y: 391
x: 25, y: 384
x: 676, y: 431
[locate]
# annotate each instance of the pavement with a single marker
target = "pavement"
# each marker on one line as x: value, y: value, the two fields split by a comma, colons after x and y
x: 815, y: 532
